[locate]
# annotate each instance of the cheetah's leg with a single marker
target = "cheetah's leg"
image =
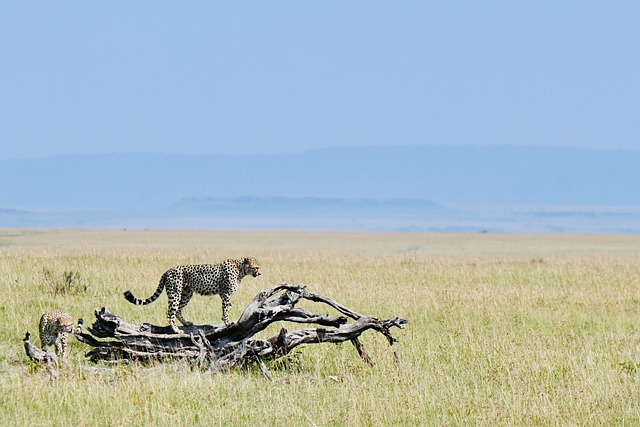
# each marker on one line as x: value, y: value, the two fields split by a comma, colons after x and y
x: 187, y: 293
x: 45, y: 342
x: 174, y: 293
x: 61, y: 346
x: 171, y: 314
x: 226, y: 306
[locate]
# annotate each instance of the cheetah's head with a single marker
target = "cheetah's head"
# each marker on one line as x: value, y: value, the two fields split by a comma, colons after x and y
x: 64, y: 324
x: 251, y: 266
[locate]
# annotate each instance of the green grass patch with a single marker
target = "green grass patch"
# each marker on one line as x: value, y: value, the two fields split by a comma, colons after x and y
x: 504, y: 329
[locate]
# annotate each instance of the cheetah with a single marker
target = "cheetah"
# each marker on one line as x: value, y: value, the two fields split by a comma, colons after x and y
x: 182, y: 281
x: 54, y: 327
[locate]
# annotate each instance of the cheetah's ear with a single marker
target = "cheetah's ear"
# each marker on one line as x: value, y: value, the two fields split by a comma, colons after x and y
x: 246, y: 261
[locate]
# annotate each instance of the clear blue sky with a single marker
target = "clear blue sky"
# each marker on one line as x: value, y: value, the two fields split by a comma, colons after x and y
x: 263, y: 76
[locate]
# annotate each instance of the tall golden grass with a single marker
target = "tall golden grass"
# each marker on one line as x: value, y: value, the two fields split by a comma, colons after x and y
x: 504, y: 329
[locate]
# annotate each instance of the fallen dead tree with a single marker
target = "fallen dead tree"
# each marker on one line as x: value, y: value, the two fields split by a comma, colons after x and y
x: 219, y: 348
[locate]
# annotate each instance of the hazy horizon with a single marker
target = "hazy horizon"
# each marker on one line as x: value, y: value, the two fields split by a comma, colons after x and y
x: 421, y: 188
x: 300, y: 150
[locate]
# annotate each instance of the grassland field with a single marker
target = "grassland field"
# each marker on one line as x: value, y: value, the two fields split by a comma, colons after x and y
x: 504, y: 329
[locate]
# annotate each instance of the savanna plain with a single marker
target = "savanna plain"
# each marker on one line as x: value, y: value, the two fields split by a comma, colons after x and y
x: 503, y: 329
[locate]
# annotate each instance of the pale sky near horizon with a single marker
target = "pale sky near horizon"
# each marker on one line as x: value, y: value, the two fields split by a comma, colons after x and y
x: 231, y: 77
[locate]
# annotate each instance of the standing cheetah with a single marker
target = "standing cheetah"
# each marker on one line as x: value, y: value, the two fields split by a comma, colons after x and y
x: 183, y: 281
x: 54, y: 327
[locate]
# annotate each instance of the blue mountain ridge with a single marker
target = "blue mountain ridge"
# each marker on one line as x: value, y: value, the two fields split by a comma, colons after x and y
x: 408, y: 187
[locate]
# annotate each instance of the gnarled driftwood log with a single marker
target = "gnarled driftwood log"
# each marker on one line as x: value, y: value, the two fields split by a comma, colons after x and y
x: 220, y: 348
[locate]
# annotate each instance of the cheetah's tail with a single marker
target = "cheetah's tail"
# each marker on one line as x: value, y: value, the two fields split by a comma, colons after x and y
x: 137, y: 301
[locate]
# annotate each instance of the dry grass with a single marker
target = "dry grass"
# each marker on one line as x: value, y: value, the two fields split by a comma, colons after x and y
x: 504, y: 329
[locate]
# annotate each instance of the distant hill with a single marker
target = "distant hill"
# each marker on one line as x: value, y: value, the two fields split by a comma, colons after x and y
x: 409, y: 187
x: 289, y: 206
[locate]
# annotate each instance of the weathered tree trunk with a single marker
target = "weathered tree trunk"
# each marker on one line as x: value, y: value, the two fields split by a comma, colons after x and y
x: 220, y: 348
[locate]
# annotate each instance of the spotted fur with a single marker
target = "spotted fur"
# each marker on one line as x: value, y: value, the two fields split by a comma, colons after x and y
x: 54, y: 327
x: 182, y: 281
